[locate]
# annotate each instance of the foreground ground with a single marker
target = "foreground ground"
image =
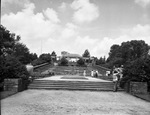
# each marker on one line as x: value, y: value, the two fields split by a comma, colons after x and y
x: 59, y: 102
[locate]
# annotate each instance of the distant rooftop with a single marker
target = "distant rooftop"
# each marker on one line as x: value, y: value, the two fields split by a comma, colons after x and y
x: 66, y: 54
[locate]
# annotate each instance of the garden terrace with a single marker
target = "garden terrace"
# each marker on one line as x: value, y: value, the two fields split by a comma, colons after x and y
x: 62, y: 70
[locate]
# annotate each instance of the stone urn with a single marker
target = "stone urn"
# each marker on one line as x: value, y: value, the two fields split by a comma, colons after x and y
x: 30, y: 68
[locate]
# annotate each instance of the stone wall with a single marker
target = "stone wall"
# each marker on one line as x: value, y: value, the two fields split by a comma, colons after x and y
x: 15, y: 85
x: 138, y: 87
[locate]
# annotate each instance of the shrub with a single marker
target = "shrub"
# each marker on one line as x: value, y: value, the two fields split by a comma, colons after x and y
x: 63, y: 62
x: 138, y: 70
x: 80, y: 62
x: 38, y: 62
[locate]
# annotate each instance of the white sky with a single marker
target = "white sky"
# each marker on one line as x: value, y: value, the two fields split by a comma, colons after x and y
x: 77, y: 25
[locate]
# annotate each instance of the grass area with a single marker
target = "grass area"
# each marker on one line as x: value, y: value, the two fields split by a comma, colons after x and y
x: 4, y: 94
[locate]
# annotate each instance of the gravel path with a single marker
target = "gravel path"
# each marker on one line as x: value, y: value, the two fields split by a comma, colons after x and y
x: 59, y: 102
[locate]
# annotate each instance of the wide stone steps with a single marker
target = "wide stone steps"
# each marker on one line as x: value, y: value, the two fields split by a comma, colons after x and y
x: 71, y: 85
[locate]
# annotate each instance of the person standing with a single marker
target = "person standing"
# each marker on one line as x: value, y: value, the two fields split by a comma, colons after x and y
x: 96, y: 73
x: 84, y: 73
x: 92, y: 73
x: 116, y: 76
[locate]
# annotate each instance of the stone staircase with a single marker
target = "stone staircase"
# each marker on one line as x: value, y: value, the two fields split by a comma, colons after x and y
x: 71, y: 70
x: 71, y: 85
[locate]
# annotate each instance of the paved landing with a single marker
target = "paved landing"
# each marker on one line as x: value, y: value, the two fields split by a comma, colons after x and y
x: 88, y: 78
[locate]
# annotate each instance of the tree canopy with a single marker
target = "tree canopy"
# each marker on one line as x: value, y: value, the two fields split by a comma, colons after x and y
x: 45, y: 57
x: 86, y: 53
x: 63, y: 61
x: 80, y: 62
x: 53, y: 53
x: 127, y: 51
x: 10, y: 66
x: 7, y: 41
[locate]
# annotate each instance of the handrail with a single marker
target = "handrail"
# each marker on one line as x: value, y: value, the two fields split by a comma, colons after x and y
x: 40, y: 65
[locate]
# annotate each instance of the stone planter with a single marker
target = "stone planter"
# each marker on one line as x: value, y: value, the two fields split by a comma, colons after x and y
x: 12, y: 84
x: 138, y: 88
x: 15, y: 85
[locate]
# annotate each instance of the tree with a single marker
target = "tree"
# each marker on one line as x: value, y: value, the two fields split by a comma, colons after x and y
x: 37, y: 61
x: 137, y: 70
x: 53, y: 56
x: 33, y: 56
x: 11, y: 51
x: 21, y: 52
x: 80, y: 62
x: 14, y: 69
x: 53, y: 53
x: 63, y: 61
x: 126, y: 52
x: 7, y: 41
x: 86, y: 53
x: 101, y: 60
x: 10, y: 45
x: 114, y: 52
x: 133, y: 55
x: 45, y: 57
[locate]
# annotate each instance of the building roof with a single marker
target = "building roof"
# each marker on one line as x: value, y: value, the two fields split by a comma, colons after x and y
x: 71, y: 55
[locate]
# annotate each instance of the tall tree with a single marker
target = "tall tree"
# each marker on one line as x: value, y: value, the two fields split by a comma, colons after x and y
x: 114, y: 51
x: 45, y: 57
x: 86, y: 53
x: 80, y: 62
x: 53, y: 53
x: 126, y: 52
x: 21, y: 52
x: 33, y: 56
x: 133, y: 49
x: 63, y: 61
x: 53, y: 56
x: 7, y: 41
x: 9, y: 64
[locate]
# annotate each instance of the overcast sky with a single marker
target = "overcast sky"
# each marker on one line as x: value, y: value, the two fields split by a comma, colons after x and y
x: 77, y: 25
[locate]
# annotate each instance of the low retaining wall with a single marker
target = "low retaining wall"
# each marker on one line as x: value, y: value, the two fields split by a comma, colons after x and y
x: 136, y: 87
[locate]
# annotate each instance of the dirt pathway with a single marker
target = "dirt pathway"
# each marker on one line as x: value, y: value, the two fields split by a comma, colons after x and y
x: 58, y: 102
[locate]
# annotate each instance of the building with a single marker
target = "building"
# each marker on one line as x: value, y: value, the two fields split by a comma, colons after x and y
x: 73, y: 58
x: 70, y: 57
